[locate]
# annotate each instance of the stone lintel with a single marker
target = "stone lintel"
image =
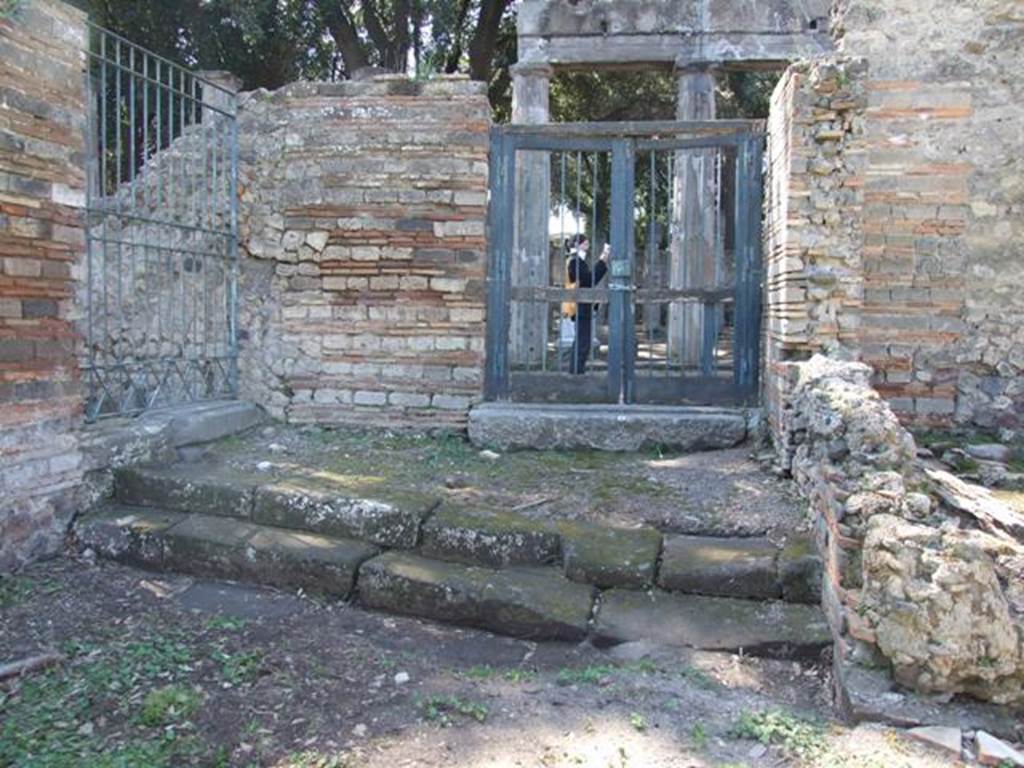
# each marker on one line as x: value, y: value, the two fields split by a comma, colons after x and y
x: 728, y: 49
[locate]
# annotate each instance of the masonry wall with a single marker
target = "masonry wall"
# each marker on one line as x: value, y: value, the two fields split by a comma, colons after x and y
x: 41, y: 189
x: 813, y: 230
x: 363, y: 216
x: 943, y: 314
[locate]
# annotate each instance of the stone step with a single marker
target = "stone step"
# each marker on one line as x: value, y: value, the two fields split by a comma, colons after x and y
x: 536, y: 603
x: 222, y: 547
x: 300, y: 503
x: 711, y: 623
x: 752, y: 568
x: 495, y: 538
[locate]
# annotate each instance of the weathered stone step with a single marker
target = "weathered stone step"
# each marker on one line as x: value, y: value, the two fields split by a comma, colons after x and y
x: 590, y: 554
x: 298, y: 503
x: 711, y: 623
x: 752, y: 568
x: 222, y: 547
x: 538, y: 603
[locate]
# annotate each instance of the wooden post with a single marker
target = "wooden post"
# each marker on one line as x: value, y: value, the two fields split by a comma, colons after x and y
x: 530, y: 247
x: 692, y: 258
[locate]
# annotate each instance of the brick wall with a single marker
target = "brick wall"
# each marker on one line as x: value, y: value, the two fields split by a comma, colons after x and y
x: 813, y: 231
x: 943, y: 317
x: 364, y: 207
x: 41, y: 188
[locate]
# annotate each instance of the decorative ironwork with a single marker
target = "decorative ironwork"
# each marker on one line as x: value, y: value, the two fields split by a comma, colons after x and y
x: 160, y: 282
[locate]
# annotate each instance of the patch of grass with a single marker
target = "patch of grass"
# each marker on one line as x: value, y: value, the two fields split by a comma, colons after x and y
x: 792, y: 734
x: 442, y: 709
x: 50, y: 723
x: 698, y: 677
x: 15, y: 590
x: 239, y: 668
x: 638, y: 721
x: 589, y: 675
x: 226, y: 624
x: 519, y: 675
x: 170, y: 704
x: 699, y: 735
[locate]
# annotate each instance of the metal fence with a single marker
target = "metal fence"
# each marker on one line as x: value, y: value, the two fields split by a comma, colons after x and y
x: 160, y: 280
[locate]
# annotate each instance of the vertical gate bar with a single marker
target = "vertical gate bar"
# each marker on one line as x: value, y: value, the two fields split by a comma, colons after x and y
x: 652, y: 255
x: 755, y: 266
x: 628, y: 308
x: 496, y: 211
x: 233, y: 251
x: 589, y: 355
x: 91, y: 143
x: 134, y: 239
x: 105, y: 344
x: 157, y: 205
x: 670, y: 231
x: 618, y: 289
x: 118, y: 175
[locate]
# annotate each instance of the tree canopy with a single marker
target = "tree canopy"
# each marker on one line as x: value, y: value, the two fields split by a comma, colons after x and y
x: 269, y: 43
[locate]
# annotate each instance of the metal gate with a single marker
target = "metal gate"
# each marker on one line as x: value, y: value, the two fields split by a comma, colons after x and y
x: 671, y: 311
x: 159, y: 289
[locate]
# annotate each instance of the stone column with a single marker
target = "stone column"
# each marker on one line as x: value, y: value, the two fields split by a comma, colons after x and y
x: 530, y: 260
x: 215, y: 97
x: 692, y: 259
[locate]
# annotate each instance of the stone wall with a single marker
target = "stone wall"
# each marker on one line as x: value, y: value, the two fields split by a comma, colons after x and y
x: 943, y: 315
x: 813, y: 233
x: 923, y: 574
x: 42, y: 185
x: 363, y: 223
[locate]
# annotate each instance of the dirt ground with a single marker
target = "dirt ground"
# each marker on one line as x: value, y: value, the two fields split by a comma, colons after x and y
x: 163, y: 670
x: 714, y: 493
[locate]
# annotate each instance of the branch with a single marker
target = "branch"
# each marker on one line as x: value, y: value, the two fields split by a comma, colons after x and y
x: 31, y: 664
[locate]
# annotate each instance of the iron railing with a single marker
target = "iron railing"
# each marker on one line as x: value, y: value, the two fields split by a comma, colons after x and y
x: 161, y: 272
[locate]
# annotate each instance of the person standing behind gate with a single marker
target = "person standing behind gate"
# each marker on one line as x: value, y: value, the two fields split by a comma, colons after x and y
x: 579, y: 275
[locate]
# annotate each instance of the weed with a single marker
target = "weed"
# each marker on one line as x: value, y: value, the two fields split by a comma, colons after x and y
x: 440, y: 709
x: 226, y: 624
x: 518, y: 675
x: 170, y: 704
x: 239, y: 668
x: 698, y: 677
x: 699, y: 735
x: 480, y: 672
x: 591, y: 675
x: 638, y: 721
x: 794, y: 735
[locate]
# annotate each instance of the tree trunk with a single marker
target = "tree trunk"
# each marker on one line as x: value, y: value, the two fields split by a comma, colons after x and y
x: 339, y: 21
x: 481, y: 49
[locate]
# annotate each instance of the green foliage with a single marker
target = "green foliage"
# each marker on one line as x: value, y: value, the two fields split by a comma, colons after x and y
x: 698, y: 677
x: 441, y: 709
x: 239, y: 668
x: 170, y: 704
x: 638, y: 721
x: 9, y: 8
x: 699, y: 735
x: 775, y: 728
x: 49, y: 723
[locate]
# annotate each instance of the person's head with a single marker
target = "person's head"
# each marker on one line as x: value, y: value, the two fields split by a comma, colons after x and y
x: 578, y: 245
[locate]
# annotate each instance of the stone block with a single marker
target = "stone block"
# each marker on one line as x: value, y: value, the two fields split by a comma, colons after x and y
x: 506, y: 426
x: 711, y: 623
x: 183, y: 488
x: 609, y: 557
x: 489, y: 538
x: 536, y: 603
x: 726, y: 567
x: 394, y: 522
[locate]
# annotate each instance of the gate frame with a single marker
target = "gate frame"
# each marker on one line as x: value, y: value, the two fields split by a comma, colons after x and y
x: 622, y: 140
x: 205, y: 97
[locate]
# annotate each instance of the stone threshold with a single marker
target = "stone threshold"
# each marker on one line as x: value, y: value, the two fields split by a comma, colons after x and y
x: 620, y: 428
